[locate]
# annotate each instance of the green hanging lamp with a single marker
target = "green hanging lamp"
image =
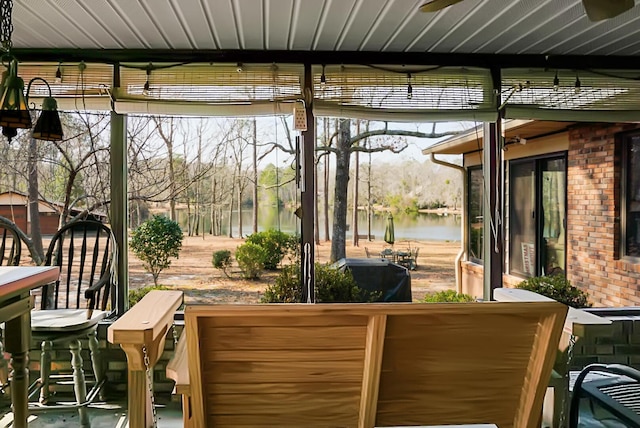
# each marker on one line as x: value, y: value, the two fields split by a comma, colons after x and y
x: 14, y: 112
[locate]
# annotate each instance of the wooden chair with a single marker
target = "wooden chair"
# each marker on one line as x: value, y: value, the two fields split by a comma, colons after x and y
x: 71, y: 308
x: 10, y: 245
x: 366, y: 365
x: 414, y: 256
x: 10, y: 252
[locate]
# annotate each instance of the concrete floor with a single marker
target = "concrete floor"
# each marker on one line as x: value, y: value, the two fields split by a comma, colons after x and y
x: 101, y: 415
x: 169, y: 414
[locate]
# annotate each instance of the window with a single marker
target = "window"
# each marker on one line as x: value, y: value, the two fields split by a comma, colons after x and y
x: 476, y: 205
x: 537, y: 216
x: 631, y: 196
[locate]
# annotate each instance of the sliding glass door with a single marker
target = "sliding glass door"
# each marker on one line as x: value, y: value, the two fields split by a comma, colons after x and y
x: 537, y: 210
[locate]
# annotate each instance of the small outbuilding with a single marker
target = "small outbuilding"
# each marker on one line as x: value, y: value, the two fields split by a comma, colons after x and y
x: 15, y: 207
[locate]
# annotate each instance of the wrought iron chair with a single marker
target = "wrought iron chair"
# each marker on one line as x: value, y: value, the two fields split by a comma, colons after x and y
x: 414, y: 256
x: 10, y: 251
x: 617, y: 392
x: 71, y: 308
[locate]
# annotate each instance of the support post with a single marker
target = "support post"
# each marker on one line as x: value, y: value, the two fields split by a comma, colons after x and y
x: 308, y: 193
x: 493, y: 189
x: 120, y: 208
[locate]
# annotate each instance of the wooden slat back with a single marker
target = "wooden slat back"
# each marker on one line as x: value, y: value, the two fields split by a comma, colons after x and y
x: 10, y: 246
x: 84, y: 252
x: 354, y: 365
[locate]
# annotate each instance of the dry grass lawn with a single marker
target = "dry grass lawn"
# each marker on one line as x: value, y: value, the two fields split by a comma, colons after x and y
x: 194, y: 273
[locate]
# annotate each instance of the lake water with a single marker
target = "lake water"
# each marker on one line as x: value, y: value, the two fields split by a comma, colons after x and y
x: 417, y: 226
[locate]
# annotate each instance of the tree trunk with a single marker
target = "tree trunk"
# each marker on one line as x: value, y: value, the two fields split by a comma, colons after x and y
x: 327, y: 162
x: 368, y: 194
x: 172, y: 182
x: 239, y: 210
x: 189, y: 223
x: 255, y: 177
x: 34, y: 211
x: 316, y: 224
x: 338, y: 241
x: 212, y: 206
x: 356, y: 180
x: 198, y: 203
x: 230, y: 234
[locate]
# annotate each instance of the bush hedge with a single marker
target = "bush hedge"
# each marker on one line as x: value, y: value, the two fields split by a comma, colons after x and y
x: 558, y: 288
x: 332, y: 286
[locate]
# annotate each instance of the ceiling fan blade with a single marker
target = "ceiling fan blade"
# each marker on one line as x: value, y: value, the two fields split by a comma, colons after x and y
x: 597, y: 10
x: 436, y: 5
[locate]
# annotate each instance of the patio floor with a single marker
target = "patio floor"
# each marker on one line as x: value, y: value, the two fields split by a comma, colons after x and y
x: 112, y: 414
x: 169, y: 414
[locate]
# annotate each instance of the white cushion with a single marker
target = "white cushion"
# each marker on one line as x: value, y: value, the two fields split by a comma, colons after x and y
x: 64, y: 319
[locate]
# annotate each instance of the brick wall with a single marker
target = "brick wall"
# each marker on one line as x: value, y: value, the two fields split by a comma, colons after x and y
x: 618, y: 342
x: 593, y: 183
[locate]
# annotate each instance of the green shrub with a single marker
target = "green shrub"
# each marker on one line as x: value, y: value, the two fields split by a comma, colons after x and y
x: 222, y: 260
x: 558, y: 288
x: 276, y: 244
x: 250, y: 258
x: 286, y: 288
x: 332, y: 286
x: 448, y: 296
x: 136, y: 295
x: 154, y: 242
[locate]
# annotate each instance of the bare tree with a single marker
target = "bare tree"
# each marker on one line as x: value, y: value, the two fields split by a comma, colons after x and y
x: 254, y: 143
x: 166, y: 130
x: 347, y: 144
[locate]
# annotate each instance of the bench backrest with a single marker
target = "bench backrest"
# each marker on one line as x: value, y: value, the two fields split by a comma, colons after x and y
x: 366, y: 365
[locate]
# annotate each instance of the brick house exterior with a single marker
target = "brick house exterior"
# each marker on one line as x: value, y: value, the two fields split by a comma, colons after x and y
x: 593, y: 205
x: 593, y: 216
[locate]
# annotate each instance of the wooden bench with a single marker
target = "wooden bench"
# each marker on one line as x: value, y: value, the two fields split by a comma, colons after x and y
x: 141, y: 333
x: 366, y: 365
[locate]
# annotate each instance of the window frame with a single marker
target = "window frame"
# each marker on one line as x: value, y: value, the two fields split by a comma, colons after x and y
x: 469, y: 221
x: 625, y: 140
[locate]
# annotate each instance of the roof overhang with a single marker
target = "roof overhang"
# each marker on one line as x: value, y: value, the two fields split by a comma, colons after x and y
x: 514, y: 130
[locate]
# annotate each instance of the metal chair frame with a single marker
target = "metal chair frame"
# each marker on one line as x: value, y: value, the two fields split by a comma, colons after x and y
x: 618, y: 395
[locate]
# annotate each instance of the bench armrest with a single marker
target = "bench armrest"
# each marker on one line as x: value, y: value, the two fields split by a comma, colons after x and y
x: 178, y: 368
